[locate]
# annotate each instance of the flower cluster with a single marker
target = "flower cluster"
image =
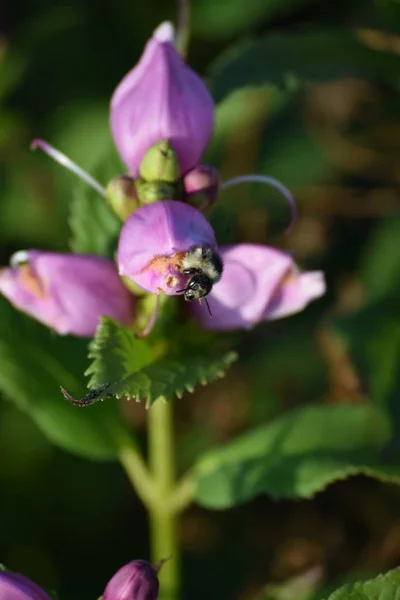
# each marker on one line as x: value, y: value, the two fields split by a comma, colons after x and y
x: 135, y: 581
x: 161, y: 119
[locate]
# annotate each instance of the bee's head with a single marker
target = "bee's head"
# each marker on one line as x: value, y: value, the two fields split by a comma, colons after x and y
x: 199, y: 285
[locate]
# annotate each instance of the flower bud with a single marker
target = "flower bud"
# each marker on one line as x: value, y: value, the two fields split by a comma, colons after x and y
x: 14, y: 586
x: 160, y: 163
x: 152, y: 191
x: 121, y: 196
x: 161, y: 98
x: 154, y: 240
x: 135, y: 581
x: 201, y: 186
x: 258, y: 284
x: 67, y: 292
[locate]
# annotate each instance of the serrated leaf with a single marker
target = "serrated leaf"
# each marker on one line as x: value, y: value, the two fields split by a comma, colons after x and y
x: 94, y: 226
x: 167, y: 378
x: 34, y: 362
x: 116, y: 352
x: 296, y: 456
x: 289, y: 59
x: 164, y: 379
x: 383, y: 587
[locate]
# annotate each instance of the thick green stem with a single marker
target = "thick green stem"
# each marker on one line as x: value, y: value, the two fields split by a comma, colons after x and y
x: 163, y: 521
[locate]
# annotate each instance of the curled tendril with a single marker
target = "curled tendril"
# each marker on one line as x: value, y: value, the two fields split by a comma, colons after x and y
x: 268, y: 181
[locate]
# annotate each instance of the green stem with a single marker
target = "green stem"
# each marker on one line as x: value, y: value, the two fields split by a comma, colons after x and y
x: 163, y: 521
x: 183, y: 28
x: 137, y: 473
x: 182, y: 496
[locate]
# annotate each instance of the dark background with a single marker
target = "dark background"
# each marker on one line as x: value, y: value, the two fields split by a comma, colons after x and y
x: 70, y: 523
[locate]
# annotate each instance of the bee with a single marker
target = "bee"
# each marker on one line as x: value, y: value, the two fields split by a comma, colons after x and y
x: 205, y: 267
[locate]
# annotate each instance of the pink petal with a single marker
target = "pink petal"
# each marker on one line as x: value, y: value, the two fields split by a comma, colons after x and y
x: 250, y: 279
x: 67, y: 292
x: 294, y: 295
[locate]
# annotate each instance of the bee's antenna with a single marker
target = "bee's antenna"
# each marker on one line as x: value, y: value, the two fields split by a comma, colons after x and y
x: 208, y: 307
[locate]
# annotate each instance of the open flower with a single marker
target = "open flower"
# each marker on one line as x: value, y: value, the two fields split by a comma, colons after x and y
x: 258, y: 284
x: 154, y: 240
x: 67, y: 292
x: 14, y: 586
x: 135, y: 581
x: 161, y: 98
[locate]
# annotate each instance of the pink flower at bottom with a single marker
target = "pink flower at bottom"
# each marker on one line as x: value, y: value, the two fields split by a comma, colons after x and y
x: 258, y: 284
x: 67, y: 292
x: 135, y: 581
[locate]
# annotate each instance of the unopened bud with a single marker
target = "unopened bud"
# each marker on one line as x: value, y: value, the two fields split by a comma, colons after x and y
x: 201, y: 186
x: 152, y: 191
x: 135, y: 581
x: 161, y: 98
x: 121, y: 196
x: 160, y: 163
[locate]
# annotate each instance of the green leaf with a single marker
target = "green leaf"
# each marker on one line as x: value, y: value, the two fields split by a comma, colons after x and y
x: 383, y: 587
x: 167, y: 378
x: 372, y: 335
x: 34, y: 362
x: 12, y: 69
x: 380, y: 268
x: 215, y: 19
x: 116, y: 352
x: 289, y: 59
x: 124, y: 367
x: 94, y: 226
x: 296, y: 456
x: 299, y: 587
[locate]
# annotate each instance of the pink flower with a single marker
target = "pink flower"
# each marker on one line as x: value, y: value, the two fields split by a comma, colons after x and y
x: 161, y: 98
x: 14, y: 586
x: 135, y: 581
x: 153, y: 242
x: 258, y: 284
x: 67, y: 292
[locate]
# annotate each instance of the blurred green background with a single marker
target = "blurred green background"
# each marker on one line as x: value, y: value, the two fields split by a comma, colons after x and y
x: 331, y: 133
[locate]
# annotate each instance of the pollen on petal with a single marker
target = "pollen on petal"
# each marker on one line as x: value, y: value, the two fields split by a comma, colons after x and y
x: 31, y: 282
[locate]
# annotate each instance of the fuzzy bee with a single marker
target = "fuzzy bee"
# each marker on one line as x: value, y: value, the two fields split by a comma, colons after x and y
x: 205, y: 267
